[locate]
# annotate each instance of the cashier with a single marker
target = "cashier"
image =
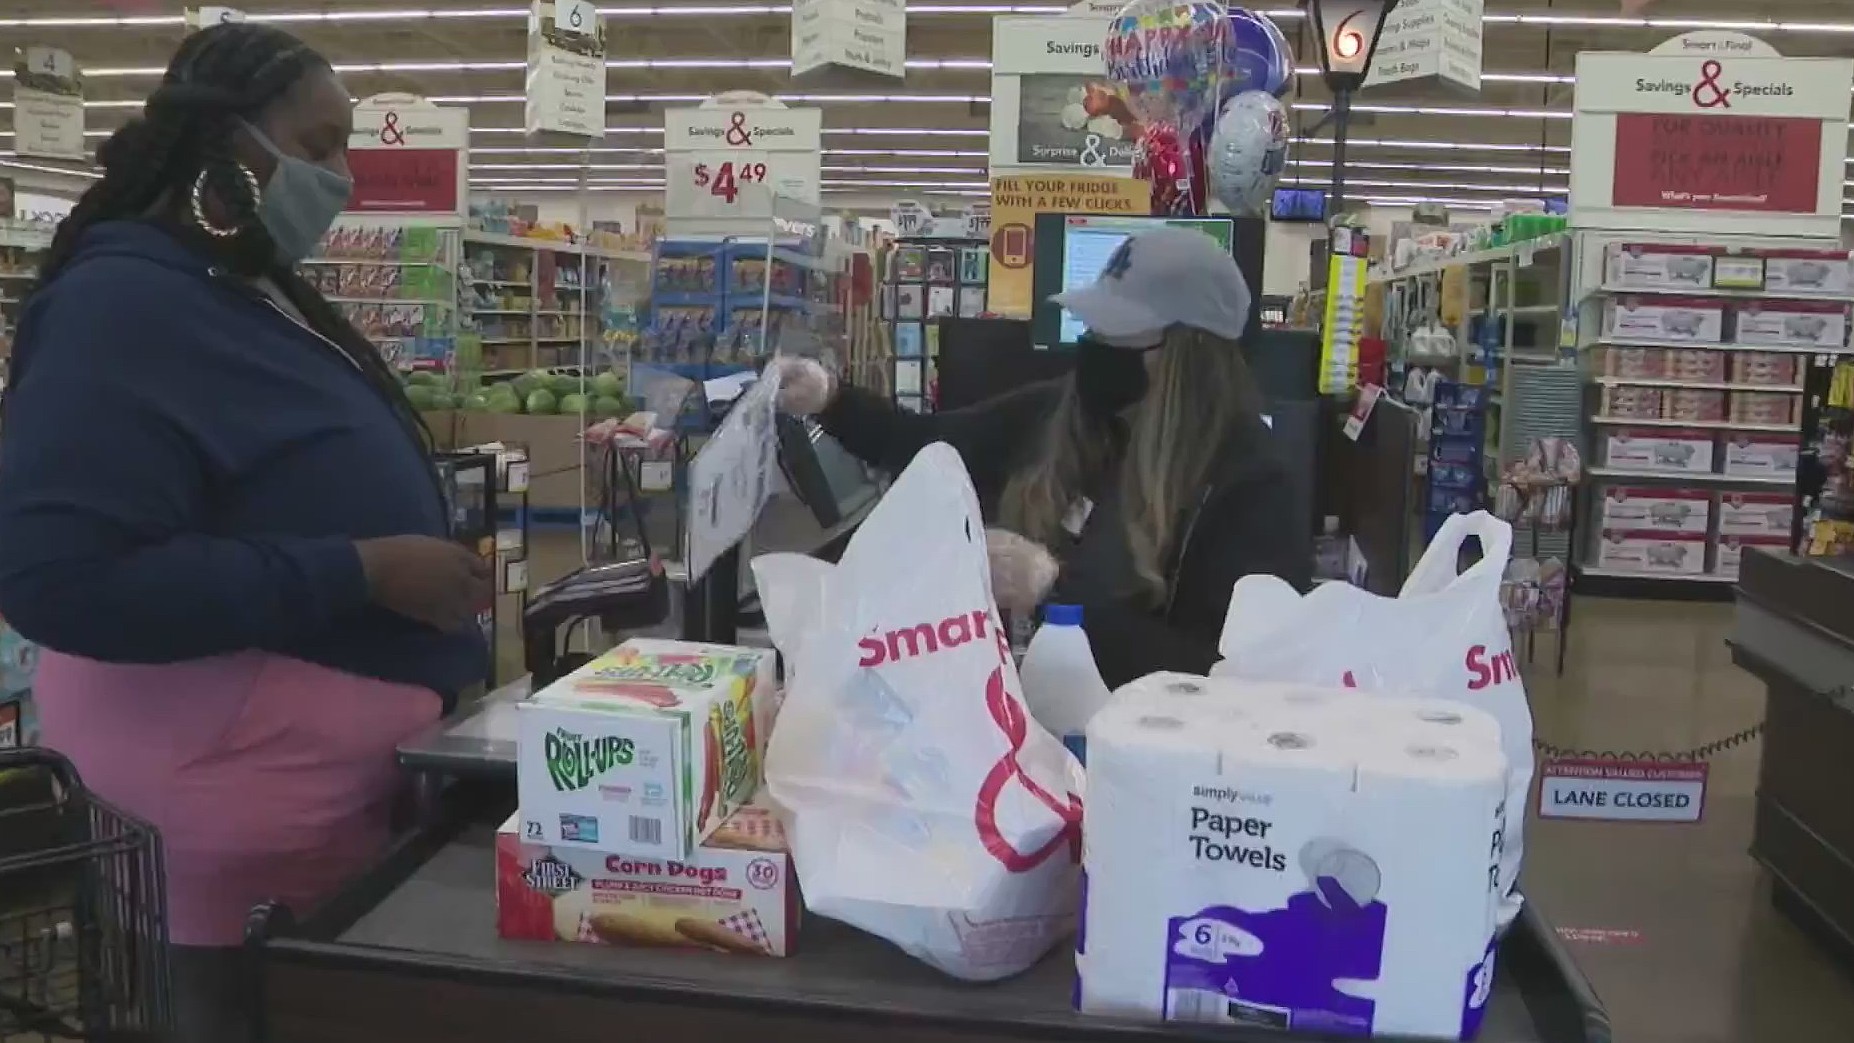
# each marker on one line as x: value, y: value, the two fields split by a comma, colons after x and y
x: 1141, y: 486
x: 218, y: 515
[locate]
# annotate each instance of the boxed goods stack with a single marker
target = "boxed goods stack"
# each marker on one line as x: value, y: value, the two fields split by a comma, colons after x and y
x: 635, y: 776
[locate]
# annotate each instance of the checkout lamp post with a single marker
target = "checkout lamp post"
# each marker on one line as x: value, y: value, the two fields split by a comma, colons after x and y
x: 1348, y: 32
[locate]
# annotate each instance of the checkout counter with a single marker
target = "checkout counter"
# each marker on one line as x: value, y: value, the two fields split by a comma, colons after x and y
x: 1794, y: 630
x: 409, y: 952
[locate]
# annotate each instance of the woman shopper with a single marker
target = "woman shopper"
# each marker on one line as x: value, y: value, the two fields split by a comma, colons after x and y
x: 218, y: 515
x: 1141, y: 486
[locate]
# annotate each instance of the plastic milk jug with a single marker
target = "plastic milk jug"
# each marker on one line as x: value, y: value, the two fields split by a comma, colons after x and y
x: 1062, y: 686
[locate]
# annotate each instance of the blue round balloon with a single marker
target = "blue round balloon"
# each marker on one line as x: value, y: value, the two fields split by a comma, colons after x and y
x: 1256, y: 56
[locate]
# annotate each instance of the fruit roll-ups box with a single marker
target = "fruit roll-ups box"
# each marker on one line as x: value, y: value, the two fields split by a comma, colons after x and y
x: 643, y: 750
x: 736, y: 893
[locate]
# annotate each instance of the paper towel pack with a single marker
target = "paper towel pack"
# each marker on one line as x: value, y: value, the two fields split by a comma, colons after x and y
x: 1290, y: 856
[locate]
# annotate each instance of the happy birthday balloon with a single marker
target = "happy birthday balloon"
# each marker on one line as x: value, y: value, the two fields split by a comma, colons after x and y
x: 1248, y: 152
x: 1168, y: 57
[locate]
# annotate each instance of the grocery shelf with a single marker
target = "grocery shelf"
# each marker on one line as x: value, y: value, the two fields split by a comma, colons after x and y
x: 393, y: 300
x: 497, y: 311
x: 1469, y: 259
x: 1523, y: 310
x: 1689, y: 477
x: 501, y: 282
x: 1701, y: 385
x: 1675, y: 577
x: 19, y: 275
x: 376, y: 262
x: 1776, y: 349
x: 1706, y: 425
x: 1608, y: 290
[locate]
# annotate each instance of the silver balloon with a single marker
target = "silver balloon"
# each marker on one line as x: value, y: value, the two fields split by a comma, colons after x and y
x: 1248, y: 152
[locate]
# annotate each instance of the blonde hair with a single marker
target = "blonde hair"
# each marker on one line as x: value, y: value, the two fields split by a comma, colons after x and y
x: 1201, y: 396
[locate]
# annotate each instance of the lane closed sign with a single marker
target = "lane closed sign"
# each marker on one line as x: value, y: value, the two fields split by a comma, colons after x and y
x: 1622, y: 791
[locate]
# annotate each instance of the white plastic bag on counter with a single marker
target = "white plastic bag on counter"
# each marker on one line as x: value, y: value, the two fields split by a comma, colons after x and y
x: 921, y: 802
x: 1443, y: 635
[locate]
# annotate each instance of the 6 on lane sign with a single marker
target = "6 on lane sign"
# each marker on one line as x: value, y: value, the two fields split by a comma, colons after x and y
x: 1622, y: 791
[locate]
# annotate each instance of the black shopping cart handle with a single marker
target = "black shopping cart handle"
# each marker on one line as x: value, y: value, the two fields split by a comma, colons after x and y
x: 61, y: 769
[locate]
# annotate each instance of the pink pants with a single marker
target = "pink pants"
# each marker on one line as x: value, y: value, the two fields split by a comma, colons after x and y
x: 268, y: 777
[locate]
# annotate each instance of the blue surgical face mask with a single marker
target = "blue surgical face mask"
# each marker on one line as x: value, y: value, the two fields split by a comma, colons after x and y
x: 300, y: 201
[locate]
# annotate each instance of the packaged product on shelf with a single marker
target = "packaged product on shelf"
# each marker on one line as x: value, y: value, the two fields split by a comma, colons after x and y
x: 645, y: 749
x: 1644, y: 266
x: 1659, y: 449
x: 1634, y: 403
x: 1250, y: 845
x: 1729, y: 554
x: 1762, y: 456
x: 1693, y: 405
x: 1652, y: 509
x: 1756, y: 514
x: 1820, y: 324
x: 1738, y: 272
x: 1674, y: 319
x: 1636, y: 363
x: 1764, y: 407
x: 1699, y: 365
x: 1673, y: 553
x: 1808, y: 271
x: 736, y: 893
x: 1771, y: 368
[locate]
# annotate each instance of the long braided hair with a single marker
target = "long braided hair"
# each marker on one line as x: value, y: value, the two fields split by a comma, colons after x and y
x: 219, y: 76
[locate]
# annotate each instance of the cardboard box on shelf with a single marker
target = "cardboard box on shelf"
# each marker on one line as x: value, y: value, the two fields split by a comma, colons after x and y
x: 1695, y: 320
x: 442, y: 423
x: 646, y: 749
x: 1670, y: 553
x: 1659, y: 449
x: 1654, y: 266
x: 1808, y: 271
x: 1756, y: 514
x: 1729, y: 554
x: 1762, y: 456
x: 736, y: 893
x: 553, y: 450
x: 1649, y: 509
x: 1814, y: 324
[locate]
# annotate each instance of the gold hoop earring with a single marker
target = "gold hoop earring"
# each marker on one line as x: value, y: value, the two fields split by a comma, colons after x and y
x: 199, y: 204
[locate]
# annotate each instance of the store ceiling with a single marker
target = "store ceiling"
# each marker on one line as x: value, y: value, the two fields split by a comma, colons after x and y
x: 925, y: 135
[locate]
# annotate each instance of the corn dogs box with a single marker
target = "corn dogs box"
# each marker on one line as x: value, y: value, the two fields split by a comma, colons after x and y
x: 735, y: 894
x: 646, y: 749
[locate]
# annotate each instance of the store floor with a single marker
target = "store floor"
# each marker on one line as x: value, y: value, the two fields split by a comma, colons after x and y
x: 1672, y: 924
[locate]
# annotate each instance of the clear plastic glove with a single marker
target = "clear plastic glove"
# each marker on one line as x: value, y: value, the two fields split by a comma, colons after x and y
x: 1022, y: 570
x: 805, y: 386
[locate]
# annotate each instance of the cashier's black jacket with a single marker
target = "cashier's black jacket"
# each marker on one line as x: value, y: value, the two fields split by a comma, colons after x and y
x: 1238, y: 528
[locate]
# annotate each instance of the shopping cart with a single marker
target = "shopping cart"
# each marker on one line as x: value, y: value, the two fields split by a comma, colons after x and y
x: 83, y: 917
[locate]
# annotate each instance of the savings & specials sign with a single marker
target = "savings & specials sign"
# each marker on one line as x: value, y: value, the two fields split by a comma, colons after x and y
x: 1710, y: 135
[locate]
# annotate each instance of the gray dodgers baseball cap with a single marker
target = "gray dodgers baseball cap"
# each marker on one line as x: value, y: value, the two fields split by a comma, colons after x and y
x: 1158, y: 278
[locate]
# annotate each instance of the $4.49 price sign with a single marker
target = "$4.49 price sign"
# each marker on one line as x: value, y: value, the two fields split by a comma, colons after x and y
x: 726, y: 178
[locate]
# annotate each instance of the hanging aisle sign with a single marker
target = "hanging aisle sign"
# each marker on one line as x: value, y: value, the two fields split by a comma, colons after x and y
x: 408, y: 157
x: 725, y: 160
x: 566, y: 69
x: 48, y: 105
x: 1052, y: 105
x: 1710, y: 132
x: 1430, y: 39
x: 867, y: 35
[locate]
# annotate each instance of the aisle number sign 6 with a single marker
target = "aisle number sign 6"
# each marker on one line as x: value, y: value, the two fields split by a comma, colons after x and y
x: 580, y: 17
x: 1350, y: 28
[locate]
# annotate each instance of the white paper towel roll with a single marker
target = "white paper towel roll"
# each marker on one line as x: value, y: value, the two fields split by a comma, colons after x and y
x: 1312, y: 861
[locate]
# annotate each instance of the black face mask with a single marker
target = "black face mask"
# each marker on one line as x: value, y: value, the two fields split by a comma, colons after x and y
x: 1109, y: 379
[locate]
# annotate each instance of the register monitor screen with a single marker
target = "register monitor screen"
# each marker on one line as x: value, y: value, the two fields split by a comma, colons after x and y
x: 823, y: 474
x: 1071, y: 250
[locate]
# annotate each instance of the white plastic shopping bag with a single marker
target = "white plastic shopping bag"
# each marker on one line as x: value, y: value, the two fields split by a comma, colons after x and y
x: 922, y: 803
x: 1444, y: 635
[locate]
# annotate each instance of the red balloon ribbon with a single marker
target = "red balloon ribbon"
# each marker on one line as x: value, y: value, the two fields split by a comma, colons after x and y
x: 1008, y: 714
